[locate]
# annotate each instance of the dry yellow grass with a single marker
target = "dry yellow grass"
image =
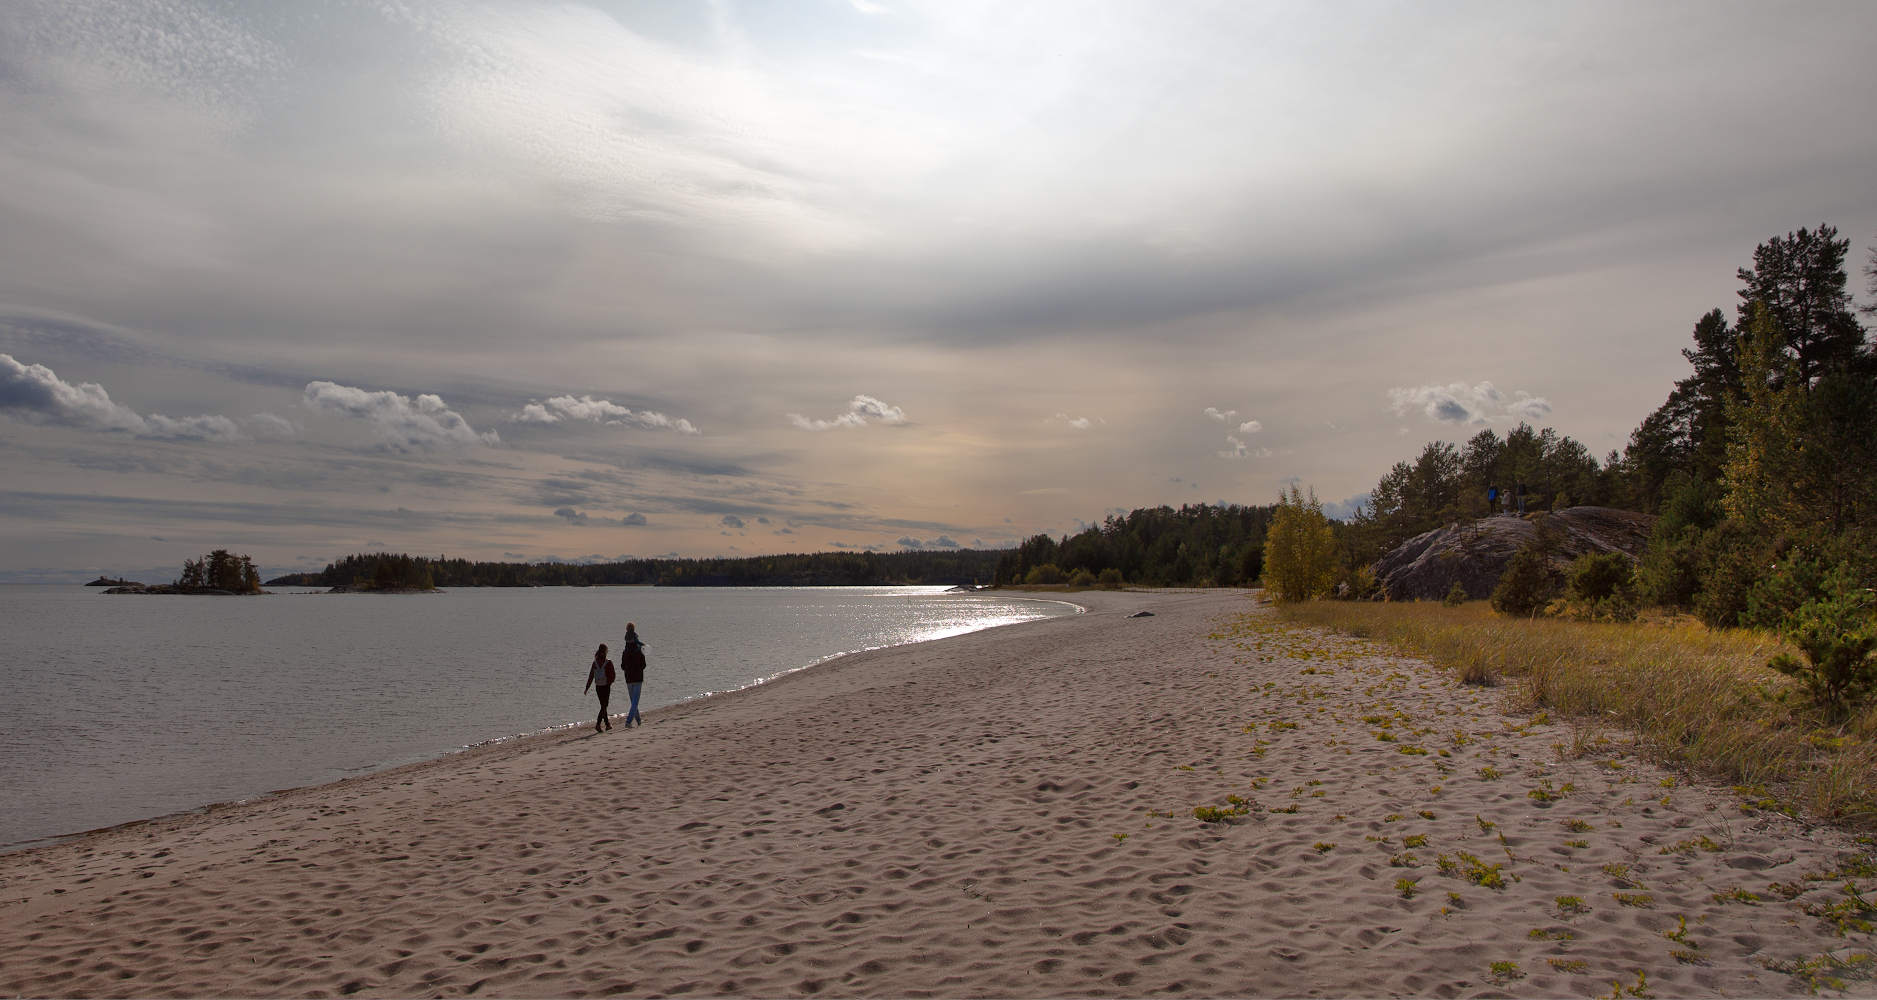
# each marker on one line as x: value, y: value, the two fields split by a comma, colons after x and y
x: 1694, y: 698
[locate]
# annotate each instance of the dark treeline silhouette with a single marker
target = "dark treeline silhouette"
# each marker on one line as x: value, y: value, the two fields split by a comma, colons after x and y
x: 1198, y: 545
x: 1762, y: 463
x: 818, y: 569
x: 220, y: 570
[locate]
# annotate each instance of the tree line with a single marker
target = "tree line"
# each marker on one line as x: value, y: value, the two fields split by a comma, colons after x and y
x: 819, y: 569
x: 1199, y: 545
x: 1761, y: 463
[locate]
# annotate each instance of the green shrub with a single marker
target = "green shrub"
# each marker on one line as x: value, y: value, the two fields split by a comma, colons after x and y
x: 1526, y: 585
x: 1602, y: 587
x: 1047, y: 573
x: 1110, y: 577
x: 1837, y: 636
x: 1456, y: 595
x: 1082, y: 578
x: 1732, y: 558
x: 1669, y: 574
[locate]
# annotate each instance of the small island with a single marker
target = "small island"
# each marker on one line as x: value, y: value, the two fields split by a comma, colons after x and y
x: 219, y: 574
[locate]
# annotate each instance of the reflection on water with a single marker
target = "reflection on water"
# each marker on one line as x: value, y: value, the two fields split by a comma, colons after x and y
x: 126, y: 707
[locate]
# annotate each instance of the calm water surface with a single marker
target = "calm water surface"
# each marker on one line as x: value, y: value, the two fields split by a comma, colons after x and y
x: 115, y: 707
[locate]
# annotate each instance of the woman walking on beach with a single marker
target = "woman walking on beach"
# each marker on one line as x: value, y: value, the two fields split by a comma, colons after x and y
x: 632, y: 664
x: 600, y: 679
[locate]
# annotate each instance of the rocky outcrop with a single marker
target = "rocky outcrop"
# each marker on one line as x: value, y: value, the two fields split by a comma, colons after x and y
x: 105, y: 581
x: 1473, y: 555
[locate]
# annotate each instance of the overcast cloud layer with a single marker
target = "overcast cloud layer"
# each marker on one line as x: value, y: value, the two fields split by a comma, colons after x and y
x: 520, y: 280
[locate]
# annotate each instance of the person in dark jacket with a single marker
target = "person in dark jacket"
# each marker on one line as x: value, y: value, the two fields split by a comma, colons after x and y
x: 600, y: 678
x: 632, y: 664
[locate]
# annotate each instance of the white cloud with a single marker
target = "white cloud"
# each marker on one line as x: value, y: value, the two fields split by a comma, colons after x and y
x: 267, y: 425
x: 945, y: 542
x: 909, y: 542
x: 1222, y: 416
x: 858, y: 410
x: 1462, y: 404
x: 1078, y: 423
x: 1250, y: 427
x: 405, y: 425
x: 34, y: 394
x: 1238, y: 449
x: 572, y: 515
x: 599, y: 411
x: 203, y: 428
x: 633, y: 519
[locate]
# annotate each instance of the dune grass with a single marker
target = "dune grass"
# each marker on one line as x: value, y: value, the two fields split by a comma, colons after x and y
x: 1696, y: 699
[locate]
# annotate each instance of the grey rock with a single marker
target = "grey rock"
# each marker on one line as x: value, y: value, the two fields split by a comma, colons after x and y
x: 1425, y: 567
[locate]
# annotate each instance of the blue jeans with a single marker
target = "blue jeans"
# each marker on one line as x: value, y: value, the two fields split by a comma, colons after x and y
x: 633, y: 715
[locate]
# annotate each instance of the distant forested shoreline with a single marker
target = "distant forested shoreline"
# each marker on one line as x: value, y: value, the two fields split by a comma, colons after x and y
x: 388, y: 571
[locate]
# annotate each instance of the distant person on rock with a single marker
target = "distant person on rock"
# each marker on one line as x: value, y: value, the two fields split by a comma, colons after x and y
x: 600, y: 679
x: 632, y: 664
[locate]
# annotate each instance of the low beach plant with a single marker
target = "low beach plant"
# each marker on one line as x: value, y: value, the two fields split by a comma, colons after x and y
x: 1571, y: 905
x: 1697, y: 700
x: 1505, y: 972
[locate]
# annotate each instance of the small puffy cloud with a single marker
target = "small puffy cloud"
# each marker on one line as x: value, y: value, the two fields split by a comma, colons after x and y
x: 405, y: 424
x: 573, y: 516
x: 1078, y: 423
x: 1250, y: 427
x: 1526, y: 406
x: 909, y: 542
x: 266, y: 425
x: 1222, y: 416
x: 977, y: 543
x: 1463, y: 404
x: 783, y: 531
x: 599, y: 411
x: 203, y: 428
x: 34, y: 394
x: 945, y: 542
x: 634, y: 519
x: 858, y: 410
x: 1344, y: 509
x: 762, y: 520
x: 1238, y: 449
x: 730, y: 521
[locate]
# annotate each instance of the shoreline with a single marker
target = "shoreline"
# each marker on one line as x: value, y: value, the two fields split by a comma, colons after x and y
x: 63, y: 838
x: 1004, y: 812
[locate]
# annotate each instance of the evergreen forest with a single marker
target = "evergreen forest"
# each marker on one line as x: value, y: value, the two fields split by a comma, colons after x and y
x: 1761, y: 463
x: 376, y: 570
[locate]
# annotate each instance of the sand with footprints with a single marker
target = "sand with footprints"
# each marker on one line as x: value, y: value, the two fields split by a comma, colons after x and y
x: 1005, y: 813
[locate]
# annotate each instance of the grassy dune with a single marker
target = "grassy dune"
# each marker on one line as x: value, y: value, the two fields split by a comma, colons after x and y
x: 1697, y: 699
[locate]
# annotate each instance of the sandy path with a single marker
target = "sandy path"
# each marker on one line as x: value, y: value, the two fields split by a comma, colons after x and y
x: 941, y: 820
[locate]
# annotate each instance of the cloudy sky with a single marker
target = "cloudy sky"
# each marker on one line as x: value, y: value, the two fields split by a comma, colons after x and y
x: 526, y: 280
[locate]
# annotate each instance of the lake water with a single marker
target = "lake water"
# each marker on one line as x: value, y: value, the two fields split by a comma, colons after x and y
x: 117, y: 707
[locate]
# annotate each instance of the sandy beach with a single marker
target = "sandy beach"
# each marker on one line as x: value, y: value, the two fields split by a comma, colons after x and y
x: 1004, y: 813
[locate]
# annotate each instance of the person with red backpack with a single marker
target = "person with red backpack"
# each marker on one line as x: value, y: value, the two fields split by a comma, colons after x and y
x: 632, y: 665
